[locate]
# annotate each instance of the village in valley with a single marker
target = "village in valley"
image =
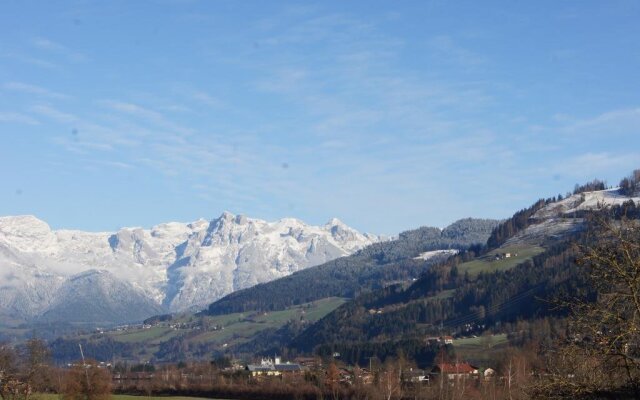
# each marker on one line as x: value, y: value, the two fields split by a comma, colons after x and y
x: 317, y: 369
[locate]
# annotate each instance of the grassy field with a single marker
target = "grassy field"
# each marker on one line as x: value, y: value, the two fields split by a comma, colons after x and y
x: 479, y: 349
x: 488, y: 263
x: 242, y: 327
x: 232, y: 328
x: 218, y: 331
x: 146, y: 335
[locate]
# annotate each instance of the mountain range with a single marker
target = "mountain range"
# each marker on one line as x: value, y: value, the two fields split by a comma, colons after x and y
x: 268, y: 314
x: 384, y: 299
x: 128, y: 275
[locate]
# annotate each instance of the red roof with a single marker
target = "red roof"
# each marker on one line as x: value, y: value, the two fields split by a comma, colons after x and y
x: 461, y: 368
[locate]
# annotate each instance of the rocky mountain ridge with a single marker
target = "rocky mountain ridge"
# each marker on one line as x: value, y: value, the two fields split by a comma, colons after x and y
x: 170, y: 267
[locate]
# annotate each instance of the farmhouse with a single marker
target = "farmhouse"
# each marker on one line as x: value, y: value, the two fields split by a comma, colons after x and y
x: 269, y: 367
x: 309, y: 362
x: 447, y: 339
x: 455, y: 371
x: 265, y: 368
x: 416, y: 376
x: 502, y: 256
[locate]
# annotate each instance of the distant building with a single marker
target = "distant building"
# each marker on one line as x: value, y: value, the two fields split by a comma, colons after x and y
x: 276, y: 367
x: 309, y: 362
x: 346, y: 376
x: 265, y: 368
x: 502, y: 256
x: 432, y: 340
x: 288, y: 368
x: 416, y: 376
x: 363, y: 375
x: 447, y: 339
x: 455, y: 371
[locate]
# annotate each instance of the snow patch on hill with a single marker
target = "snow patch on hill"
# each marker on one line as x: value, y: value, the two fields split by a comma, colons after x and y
x: 427, y: 255
x: 584, y: 202
x: 561, y: 217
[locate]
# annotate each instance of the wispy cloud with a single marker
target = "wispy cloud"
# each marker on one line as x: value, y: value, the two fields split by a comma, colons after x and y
x: 156, y: 118
x: 307, y: 101
x: 48, y: 44
x: 177, y: 108
x: 284, y: 80
x: 14, y: 117
x: 117, y: 164
x: 195, y: 96
x: 133, y: 109
x: 38, y: 62
x: 57, y: 48
x: 33, y: 90
x: 53, y: 113
x: 615, y: 122
x: 207, y: 99
x: 447, y: 48
x: 81, y: 145
x: 363, y: 92
x: 329, y: 29
x: 595, y: 164
x: 355, y: 124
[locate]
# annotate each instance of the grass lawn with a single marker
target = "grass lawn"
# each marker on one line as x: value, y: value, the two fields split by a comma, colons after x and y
x: 488, y: 263
x: 323, y: 307
x: 479, y: 349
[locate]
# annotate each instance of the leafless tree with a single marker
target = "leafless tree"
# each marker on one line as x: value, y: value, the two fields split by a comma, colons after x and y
x: 390, y: 384
x: 601, y: 358
x: 25, y: 372
x: 8, y: 369
x: 87, y: 381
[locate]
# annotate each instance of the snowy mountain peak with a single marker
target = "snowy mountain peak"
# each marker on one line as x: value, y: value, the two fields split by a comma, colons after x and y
x: 23, y: 225
x: 26, y: 233
x: 174, y: 266
x: 241, y: 219
x: 335, y: 222
x: 21, y: 220
x: 227, y: 216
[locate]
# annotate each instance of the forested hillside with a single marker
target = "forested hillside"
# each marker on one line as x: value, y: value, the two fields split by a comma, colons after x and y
x: 444, y: 301
x: 466, y: 294
x: 373, y: 267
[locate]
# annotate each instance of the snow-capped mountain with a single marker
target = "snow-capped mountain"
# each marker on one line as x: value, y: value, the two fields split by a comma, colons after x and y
x: 170, y: 267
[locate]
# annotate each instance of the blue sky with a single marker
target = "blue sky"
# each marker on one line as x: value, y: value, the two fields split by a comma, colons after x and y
x: 387, y: 115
